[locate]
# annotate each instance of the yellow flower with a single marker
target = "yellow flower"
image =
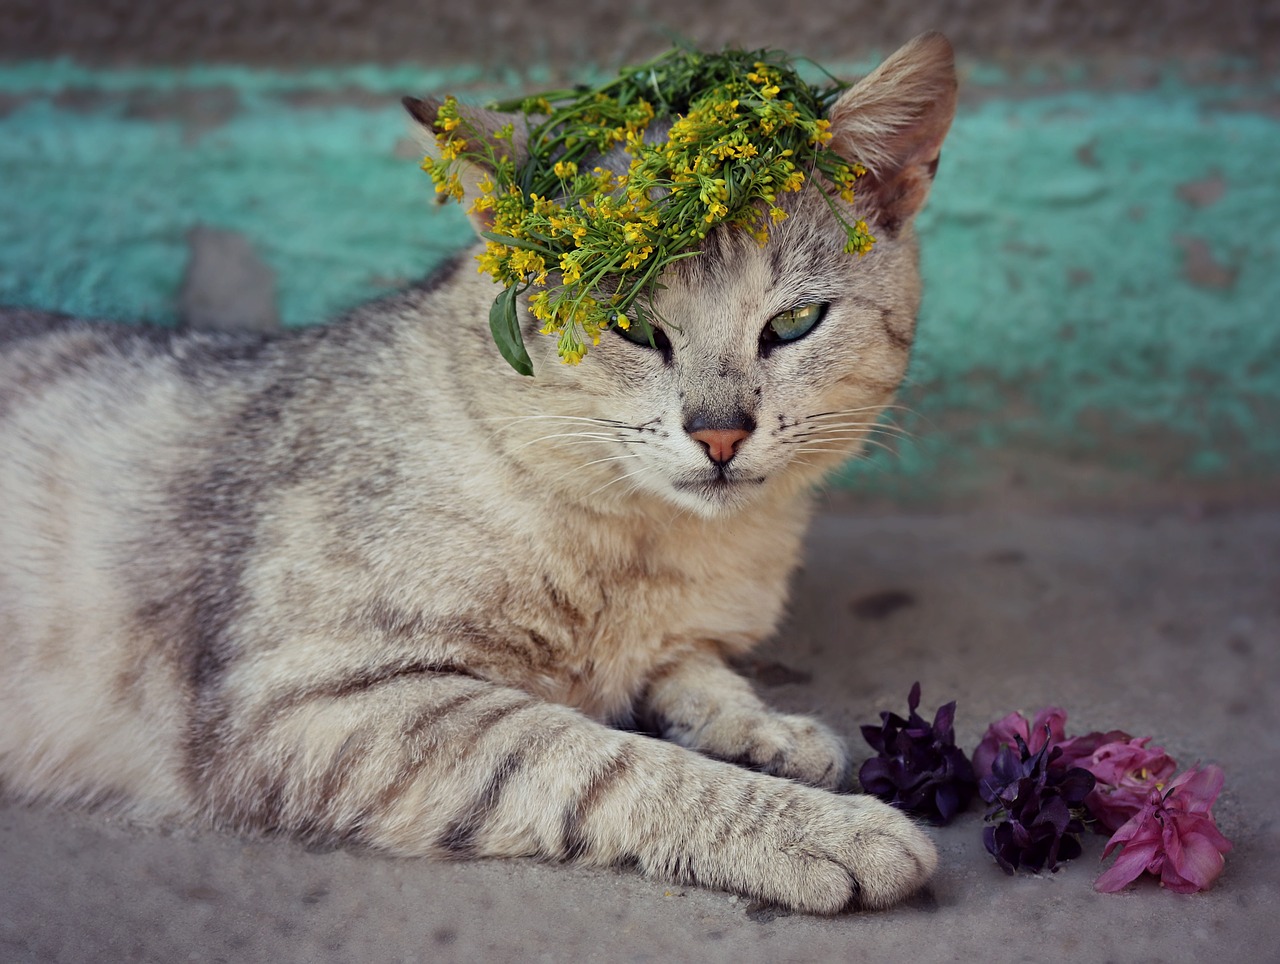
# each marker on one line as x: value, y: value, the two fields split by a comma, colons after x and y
x: 450, y: 147
x: 540, y: 305
x: 794, y: 181
x: 761, y: 129
x: 572, y: 270
x: 492, y: 260
x: 525, y: 262
x: 636, y: 256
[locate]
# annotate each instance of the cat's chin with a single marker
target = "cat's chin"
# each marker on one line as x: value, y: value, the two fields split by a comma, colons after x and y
x: 718, y: 495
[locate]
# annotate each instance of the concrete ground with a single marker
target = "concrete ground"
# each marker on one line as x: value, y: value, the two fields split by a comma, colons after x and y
x: 1160, y: 622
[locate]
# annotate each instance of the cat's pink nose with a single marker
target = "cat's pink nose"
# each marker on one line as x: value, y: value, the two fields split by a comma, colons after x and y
x: 722, y: 443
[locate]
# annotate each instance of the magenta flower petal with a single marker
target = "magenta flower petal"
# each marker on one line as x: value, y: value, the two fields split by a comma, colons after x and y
x: 1198, y: 788
x: 1127, y: 771
x: 1077, y: 749
x: 1128, y: 867
x: 1173, y: 836
x: 1198, y: 865
x: 1053, y: 717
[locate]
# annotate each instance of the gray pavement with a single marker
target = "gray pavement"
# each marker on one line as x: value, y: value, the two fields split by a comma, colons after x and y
x: 1158, y: 622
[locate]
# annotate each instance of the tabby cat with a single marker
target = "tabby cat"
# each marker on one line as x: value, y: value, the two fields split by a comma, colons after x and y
x: 364, y: 583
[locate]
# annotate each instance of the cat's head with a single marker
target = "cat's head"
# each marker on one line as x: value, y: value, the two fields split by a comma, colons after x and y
x: 772, y: 363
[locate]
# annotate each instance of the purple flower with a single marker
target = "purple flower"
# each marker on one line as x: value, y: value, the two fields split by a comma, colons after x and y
x: 918, y: 767
x: 1173, y: 836
x: 1126, y: 771
x: 1047, y: 727
x: 1036, y: 808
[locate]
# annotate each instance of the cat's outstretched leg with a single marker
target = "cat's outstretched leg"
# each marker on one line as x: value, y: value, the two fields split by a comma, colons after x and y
x: 448, y: 765
x: 700, y: 703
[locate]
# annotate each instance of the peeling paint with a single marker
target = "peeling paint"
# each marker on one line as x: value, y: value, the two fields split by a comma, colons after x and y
x: 1100, y: 266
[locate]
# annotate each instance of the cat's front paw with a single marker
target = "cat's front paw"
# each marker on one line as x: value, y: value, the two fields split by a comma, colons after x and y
x: 846, y: 852
x: 782, y: 745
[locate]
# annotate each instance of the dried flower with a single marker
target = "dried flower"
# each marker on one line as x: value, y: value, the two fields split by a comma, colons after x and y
x: 1037, y: 809
x: 1173, y: 836
x: 918, y: 767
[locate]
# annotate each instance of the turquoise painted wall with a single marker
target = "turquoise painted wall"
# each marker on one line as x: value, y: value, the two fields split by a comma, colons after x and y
x: 1103, y: 280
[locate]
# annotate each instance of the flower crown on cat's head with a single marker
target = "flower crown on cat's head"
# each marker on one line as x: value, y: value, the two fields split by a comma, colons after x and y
x: 742, y: 128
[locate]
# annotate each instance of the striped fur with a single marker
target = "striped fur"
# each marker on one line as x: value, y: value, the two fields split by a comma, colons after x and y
x: 362, y: 583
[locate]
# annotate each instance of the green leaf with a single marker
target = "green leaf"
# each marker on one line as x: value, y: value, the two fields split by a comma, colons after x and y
x: 516, y: 243
x: 505, y: 326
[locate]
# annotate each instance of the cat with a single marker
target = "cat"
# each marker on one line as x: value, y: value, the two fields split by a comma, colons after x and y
x: 362, y: 583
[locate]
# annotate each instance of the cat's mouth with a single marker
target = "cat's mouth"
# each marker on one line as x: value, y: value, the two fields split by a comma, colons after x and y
x: 718, y: 484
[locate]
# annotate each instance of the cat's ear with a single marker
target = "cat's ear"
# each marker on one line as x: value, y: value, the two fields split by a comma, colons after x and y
x: 481, y: 127
x: 893, y: 122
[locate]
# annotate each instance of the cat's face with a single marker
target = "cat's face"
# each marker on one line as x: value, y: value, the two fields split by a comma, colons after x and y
x: 772, y: 363
x: 770, y: 366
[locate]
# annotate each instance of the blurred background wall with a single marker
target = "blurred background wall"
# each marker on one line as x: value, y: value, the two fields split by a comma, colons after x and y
x: 1102, y: 317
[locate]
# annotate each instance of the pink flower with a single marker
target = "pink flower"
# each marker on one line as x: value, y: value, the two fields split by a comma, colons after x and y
x: 1002, y: 732
x: 1173, y: 836
x: 1077, y: 749
x: 1126, y: 773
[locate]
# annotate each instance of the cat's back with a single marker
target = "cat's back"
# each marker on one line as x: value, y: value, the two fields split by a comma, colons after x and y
x: 96, y: 421
x: 51, y: 361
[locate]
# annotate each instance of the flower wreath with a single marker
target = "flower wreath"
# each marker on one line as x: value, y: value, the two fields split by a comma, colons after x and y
x: 743, y: 129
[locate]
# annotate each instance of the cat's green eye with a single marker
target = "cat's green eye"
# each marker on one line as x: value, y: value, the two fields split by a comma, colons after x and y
x: 793, y: 323
x: 642, y: 333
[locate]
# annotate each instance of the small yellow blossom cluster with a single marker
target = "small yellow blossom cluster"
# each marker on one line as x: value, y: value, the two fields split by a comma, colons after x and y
x: 743, y: 130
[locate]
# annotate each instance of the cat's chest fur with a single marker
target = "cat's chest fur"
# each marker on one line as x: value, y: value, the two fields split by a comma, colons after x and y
x: 463, y: 545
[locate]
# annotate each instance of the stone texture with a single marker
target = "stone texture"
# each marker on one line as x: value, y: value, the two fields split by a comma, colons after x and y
x: 1162, y: 624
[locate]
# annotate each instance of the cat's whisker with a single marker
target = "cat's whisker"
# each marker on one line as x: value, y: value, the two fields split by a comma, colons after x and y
x: 835, y: 437
x: 831, y: 431
x: 611, y: 458
x: 842, y: 413
x: 892, y: 411
x: 853, y: 430
x: 597, y: 441
x: 601, y: 425
x: 512, y: 419
x: 620, y: 478
x: 864, y: 440
x: 852, y: 453
x: 583, y: 436
x: 823, y: 426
